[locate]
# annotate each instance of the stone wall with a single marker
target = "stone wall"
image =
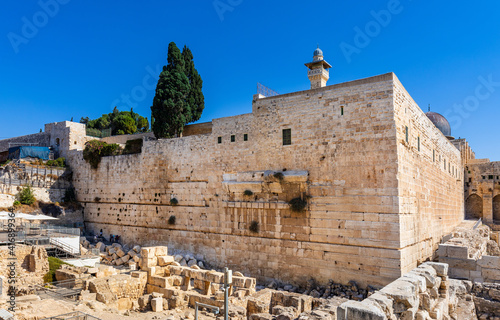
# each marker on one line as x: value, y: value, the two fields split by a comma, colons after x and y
x: 371, y: 198
x: 49, y: 183
x: 482, y: 191
x: 41, y: 139
x: 31, y: 264
x: 420, y: 294
x: 430, y: 181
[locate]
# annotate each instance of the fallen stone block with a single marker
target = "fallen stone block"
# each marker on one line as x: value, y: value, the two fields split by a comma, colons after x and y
x: 120, y: 253
x: 353, y: 310
x: 165, y: 260
x: 137, y: 249
x: 161, y: 251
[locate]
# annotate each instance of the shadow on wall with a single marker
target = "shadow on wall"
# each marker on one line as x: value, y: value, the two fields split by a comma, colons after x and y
x: 474, y: 207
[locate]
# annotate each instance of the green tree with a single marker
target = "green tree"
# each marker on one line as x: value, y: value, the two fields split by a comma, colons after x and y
x: 170, y: 108
x: 195, y: 99
x: 26, y: 195
x: 123, y: 124
x: 142, y: 124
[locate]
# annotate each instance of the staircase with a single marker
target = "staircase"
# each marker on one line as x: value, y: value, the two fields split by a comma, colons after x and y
x: 59, y: 249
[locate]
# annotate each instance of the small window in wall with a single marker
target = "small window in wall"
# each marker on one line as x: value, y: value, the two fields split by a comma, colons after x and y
x: 418, y: 141
x: 490, y: 177
x: 444, y: 164
x: 245, y: 137
x: 483, y: 177
x: 433, y: 155
x: 287, y: 137
x: 406, y: 133
x: 57, y: 142
x: 470, y: 179
x: 219, y: 139
x: 75, y: 142
x: 233, y: 138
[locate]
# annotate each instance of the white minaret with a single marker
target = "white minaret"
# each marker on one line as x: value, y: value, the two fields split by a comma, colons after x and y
x: 318, y: 70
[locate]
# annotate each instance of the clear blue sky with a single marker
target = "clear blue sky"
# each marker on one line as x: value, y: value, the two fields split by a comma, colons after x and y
x: 83, y: 57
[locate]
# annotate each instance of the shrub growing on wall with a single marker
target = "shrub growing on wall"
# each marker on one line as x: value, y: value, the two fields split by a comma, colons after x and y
x: 26, y: 196
x: 59, y: 162
x: 95, y: 150
x: 133, y: 146
x: 297, y: 204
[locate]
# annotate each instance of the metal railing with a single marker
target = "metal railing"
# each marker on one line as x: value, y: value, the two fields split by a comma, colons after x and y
x: 197, y: 304
x: 64, y: 246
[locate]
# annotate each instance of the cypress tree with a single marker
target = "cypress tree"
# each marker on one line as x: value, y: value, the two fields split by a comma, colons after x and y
x: 170, y: 109
x: 196, y: 100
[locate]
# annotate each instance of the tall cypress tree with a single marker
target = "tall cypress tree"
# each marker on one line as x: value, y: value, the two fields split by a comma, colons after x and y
x: 196, y: 100
x: 170, y: 108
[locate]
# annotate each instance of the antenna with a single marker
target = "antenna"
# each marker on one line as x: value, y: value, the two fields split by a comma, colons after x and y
x: 265, y: 91
x: 429, y: 107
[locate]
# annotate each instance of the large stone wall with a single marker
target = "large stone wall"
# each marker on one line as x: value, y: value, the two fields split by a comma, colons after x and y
x: 430, y: 181
x: 482, y: 191
x: 369, y: 204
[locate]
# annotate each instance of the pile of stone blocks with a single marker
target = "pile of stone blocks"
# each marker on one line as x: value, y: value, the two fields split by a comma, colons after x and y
x: 118, y: 255
x: 463, y: 264
x: 420, y: 294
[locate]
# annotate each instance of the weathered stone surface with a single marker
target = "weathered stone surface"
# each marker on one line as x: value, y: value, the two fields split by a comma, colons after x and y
x: 157, y: 304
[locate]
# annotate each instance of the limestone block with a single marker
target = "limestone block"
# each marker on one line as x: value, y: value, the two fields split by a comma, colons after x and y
x: 178, y: 258
x: 115, y: 256
x: 428, y: 272
x: 132, y: 265
x: 118, y: 262
x: 458, y: 252
x: 111, y: 251
x: 192, y: 262
x: 422, y: 315
x: 131, y: 253
x: 92, y: 270
x: 120, y: 253
x: 116, y: 245
x: 125, y: 258
x: 141, y: 275
x: 137, y: 249
x: 385, y: 303
x: 161, y: 251
x: 101, y: 246
x: 490, y: 262
x: 149, y: 262
x: 354, y: 310
x: 441, y: 268
x: 418, y: 280
x: 215, y: 277
x: 148, y: 252
x: 165, y: 260
x: 403, y: 293
x: 257, y: 306
x: 136, y: 258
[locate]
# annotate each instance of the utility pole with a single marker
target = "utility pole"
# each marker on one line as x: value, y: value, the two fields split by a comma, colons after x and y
x: 228, y: 280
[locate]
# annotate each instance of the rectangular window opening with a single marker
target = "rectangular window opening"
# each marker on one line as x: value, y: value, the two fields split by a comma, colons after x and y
x: 490, y: 177
x: 287, y: 137
x: 341, y: 111
x: 406, y: 133
x: 418, y: 143
x: 233, y: 138
x: 245, y: 137
x: 219, y: 139
x: 433, y: 155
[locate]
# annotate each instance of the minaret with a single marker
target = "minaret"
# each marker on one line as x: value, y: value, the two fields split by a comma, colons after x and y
x: 318, y: 70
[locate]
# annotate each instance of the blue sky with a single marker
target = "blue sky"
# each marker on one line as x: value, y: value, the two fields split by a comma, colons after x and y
x: 63, y: 59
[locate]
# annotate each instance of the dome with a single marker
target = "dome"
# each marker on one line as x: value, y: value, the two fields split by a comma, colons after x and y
x: 440, y: 122
x: 318, y: 52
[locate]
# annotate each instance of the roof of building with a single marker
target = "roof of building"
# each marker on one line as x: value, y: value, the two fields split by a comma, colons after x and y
x: 440, y: 122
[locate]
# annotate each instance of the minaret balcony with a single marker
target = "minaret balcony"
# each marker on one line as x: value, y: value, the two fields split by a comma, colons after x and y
x: 319, y: 71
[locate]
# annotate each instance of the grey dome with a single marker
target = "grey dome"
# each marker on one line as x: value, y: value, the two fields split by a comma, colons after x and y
x: 440, y: 122
x: 318, y: 52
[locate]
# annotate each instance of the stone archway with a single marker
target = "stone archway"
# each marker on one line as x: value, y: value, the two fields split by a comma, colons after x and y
x: 474, y: 207
x: 496, y: 208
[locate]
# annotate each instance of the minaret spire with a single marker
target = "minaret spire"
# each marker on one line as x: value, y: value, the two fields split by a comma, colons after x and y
x: 318, y: 70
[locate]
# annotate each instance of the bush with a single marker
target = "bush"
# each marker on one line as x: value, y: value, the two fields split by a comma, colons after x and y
x: 254, y: 227
x: 54, y: 264
x: 248, y: 192
x: 59, y: 162
x: 171, y: 220
x: 26, y: 196
x: 133, y: 146
x: 174, y: 201
x: 95, y: 150
x: 279, y: 176
x: 16, y: 203
x: 297, y: 204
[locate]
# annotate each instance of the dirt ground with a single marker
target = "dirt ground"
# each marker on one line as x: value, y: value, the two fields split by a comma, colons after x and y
x: 33, y: 308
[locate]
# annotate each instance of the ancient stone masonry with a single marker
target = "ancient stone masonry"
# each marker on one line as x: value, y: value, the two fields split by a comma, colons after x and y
x: 49, y: 184
x: 482, y: 190
x: 359, y: 153
x: 471, y: 255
